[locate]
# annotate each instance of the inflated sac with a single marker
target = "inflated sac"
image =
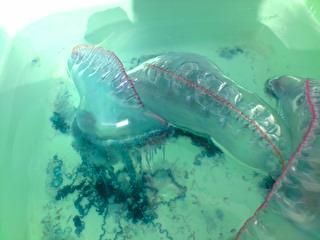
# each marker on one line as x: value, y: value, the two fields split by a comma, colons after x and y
x: 110, y: 108
x: 187, y: 91
x: 190, y: 92
x: 292, y: 208
x: 288, y: 91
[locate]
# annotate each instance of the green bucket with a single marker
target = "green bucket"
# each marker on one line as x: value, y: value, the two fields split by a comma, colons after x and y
x: 190, y: 188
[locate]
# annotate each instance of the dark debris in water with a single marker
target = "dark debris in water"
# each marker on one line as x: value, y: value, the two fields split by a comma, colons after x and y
x: 230, y: 52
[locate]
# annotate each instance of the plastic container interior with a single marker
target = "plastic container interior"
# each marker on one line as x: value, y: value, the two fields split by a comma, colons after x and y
x: 250, y: 41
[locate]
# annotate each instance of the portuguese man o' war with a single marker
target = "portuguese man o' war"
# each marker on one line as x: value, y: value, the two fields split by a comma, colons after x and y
x: 187, y: 91
x: 108, y: 117
x: 293, y: 204
x: 192, y: 93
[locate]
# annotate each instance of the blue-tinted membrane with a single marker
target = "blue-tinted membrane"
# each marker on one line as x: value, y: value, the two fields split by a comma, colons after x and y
x: 293, y: 204
x: 109, y: 109
x: 192, y: 93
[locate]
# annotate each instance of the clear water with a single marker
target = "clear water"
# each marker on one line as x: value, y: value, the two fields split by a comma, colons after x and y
x: 250, y: 42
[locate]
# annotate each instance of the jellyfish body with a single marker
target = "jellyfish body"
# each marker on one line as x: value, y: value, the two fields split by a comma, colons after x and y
x: 192, y: 93
x: 186, y: 90
x: 290, y: 95
x: 292, y: 206
x: 109, y: 109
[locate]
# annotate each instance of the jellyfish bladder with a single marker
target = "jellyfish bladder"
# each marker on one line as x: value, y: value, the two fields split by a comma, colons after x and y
x: 187, y: 91
x: 292, y: 208
x: 110, y: 108
x: 191, y: 93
